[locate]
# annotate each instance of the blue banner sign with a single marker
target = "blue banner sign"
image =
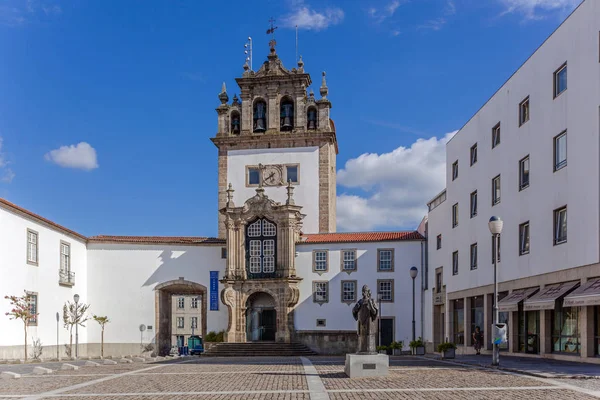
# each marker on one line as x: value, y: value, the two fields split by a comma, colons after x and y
x: 214, y: 290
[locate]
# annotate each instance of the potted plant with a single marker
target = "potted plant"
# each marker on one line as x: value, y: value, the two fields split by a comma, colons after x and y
x: 382, y: 349
x: 447, y: 350
x: 397, y: 348
x: 417, y: 347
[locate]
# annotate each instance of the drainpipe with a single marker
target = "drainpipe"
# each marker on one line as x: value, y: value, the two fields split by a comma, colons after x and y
x: 424, y: 278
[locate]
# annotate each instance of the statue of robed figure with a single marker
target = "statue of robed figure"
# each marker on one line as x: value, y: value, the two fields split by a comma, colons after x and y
x: 365, y: 312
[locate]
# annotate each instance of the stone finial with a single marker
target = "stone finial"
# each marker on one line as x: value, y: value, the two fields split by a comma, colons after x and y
x: 236, y: 101
x: 324, y: 90
x: 223, y: 95
x: 300, y: 64
x: 230, y: 196
x: 290, y: 194
x: 246, y: 67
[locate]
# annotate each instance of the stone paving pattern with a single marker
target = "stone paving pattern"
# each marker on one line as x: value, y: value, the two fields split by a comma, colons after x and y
x: 285, y: 378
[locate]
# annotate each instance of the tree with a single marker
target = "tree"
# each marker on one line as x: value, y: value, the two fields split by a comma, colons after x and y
x: 21, y: 309
x: 74, y: 315
x: 102, y: 321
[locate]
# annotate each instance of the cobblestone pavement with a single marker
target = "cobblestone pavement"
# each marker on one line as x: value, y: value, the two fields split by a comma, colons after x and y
x: 313, y: 378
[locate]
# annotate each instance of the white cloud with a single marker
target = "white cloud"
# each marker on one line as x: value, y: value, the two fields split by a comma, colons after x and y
x: 396, y: 185
x: 434, y: 24
x: 535, y: 9
x: 6, y: 173
x: 381, y: 14
x: 79, y: 156
x: 307, y: 18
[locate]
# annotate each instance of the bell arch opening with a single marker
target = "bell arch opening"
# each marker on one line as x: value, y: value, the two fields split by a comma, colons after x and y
x: 286, y: 122
x: 261, y: 317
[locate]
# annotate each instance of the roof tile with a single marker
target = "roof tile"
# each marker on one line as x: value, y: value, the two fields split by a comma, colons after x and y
x: 360, y: 237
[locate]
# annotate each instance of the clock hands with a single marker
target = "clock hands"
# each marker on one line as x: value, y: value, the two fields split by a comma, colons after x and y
x: 271, y: 175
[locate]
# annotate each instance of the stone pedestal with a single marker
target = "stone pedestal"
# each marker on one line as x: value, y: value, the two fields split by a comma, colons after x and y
x: 367, y: 365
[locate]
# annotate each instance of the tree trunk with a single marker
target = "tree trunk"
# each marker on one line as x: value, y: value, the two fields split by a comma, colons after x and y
x: 25, y: 328
x: 102, y: 343
x: 71, y: 342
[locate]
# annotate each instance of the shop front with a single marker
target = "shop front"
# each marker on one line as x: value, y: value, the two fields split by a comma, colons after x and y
x: 525, y: 331
x: 585, y: 299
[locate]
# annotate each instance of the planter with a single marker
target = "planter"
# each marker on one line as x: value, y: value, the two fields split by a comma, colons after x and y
x: 450, y: 353
x: 382, y: 351
x: 397, y: 352
x: 419, y: 351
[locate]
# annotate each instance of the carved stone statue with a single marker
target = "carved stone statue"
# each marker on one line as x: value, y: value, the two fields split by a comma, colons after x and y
x: 365, y: 312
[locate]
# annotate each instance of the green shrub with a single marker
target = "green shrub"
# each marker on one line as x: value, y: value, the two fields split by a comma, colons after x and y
x: 213, y: 336
x: 397, y: 345
x: 442, y: 347
x: 382, y: 348
x: 416, y: 343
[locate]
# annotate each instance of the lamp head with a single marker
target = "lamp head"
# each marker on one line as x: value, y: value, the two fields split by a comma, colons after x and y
x: 76, y: 298
x: 414, y: 272
x: 495, y: 225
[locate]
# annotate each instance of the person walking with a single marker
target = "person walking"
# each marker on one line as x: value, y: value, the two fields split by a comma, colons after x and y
x: 477, y: 340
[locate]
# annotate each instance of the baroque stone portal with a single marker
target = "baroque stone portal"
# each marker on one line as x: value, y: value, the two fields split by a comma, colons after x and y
x: 365, y: 312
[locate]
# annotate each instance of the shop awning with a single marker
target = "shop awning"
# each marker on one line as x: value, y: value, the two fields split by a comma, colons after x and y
x: 586, y: 295
x: 511, y: 302
x: 545, y: 298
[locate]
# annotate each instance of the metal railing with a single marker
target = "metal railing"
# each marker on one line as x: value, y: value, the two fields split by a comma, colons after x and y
x: 264, y: 275
x: 66, y: 277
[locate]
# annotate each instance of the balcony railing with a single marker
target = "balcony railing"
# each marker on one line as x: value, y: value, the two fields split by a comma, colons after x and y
x: 264, y: 275
x: 66, y: 277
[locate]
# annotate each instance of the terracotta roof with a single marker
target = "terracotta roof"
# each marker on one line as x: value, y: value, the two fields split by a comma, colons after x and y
x: 190, y: 240
x: 40, y: 219
x: 360, y: 237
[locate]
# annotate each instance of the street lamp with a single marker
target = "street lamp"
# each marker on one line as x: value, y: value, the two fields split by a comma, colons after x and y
x: 495, y: 226
x: 413, y: 274
x: 76, y: 298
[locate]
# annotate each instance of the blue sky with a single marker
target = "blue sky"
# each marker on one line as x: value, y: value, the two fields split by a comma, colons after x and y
x: 132, y: 87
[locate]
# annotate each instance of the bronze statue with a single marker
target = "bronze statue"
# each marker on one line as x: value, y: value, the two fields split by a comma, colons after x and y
x: 365, y: 312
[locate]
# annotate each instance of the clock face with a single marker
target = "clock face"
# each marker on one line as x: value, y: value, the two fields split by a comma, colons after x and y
x: 272, y: 176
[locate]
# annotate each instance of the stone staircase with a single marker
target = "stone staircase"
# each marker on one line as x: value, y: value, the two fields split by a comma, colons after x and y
x: 258, y: 349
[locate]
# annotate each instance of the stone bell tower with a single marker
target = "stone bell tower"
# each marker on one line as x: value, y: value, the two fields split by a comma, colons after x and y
x: 274, y: 133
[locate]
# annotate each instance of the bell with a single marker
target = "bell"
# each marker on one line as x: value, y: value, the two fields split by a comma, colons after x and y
x: 312, y: 125
x: 236, y: 127
x: 259, y: 125
x: 287, y: 123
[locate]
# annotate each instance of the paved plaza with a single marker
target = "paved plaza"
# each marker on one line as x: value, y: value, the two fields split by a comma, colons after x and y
x: 290, y: 378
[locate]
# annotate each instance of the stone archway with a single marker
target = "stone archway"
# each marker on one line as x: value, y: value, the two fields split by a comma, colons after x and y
x: 261, y: 317
x: 162, y: 309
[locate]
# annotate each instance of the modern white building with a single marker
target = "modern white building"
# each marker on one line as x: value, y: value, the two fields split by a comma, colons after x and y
x: 530, y: 155
x: 277, y: 271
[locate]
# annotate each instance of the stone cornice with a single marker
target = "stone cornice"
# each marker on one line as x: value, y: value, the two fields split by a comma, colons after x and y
x: 276, y: 140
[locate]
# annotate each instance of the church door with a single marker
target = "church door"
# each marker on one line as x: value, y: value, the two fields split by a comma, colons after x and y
x: 261, y: 318
x: 387, y: 331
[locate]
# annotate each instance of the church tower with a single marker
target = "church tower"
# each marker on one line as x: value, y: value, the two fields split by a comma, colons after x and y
x: 276, y: 133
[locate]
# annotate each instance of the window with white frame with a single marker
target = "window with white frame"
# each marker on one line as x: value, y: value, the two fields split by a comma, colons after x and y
x: 524, y: 238
x: 194, y: 303
x: 261, y: 240
x: 32, y: 247
x: 320, y: 292
x: 474, y: 256
x: 455, y: 215
x: 385, y: 290
x: 560, y: 225
x: 560, y: 80
x: 180, y: 322
x: 320, y: 260
x: 496, y: 190
x: 473, y: 154
x: 65, y: 257
x: 455, y: 170
x: 181, y: 302
x: 474, y: 204
x: 496, y: 135
x: 524, y: 173
x: 560, y: 151
x: 348, y: 260
x: 455, y: 263
x: 524, y: 111
x: 348, y: 291
x: 385, y: 259
x: 194, y: 322
x: 32, y: 301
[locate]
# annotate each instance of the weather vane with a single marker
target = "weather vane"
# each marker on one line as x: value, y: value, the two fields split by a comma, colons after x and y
x: 271, y: 31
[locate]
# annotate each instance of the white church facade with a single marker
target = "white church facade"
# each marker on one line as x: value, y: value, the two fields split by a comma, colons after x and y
x: 277, y: 271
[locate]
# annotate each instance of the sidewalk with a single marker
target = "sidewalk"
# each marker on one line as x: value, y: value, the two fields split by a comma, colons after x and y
x: 539, y: 367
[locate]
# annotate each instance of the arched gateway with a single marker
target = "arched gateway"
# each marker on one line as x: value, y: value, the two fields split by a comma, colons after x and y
x: 261, y: 317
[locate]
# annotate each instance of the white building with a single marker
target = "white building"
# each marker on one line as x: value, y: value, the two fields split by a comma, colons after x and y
x: 530, y: 155
x: 278, y: 270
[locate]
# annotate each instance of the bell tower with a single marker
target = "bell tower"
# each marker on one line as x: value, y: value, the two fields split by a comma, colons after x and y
x: 277, y: 133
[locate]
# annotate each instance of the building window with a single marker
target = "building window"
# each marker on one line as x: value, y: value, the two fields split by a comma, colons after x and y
x: 560, y: 225
x: 474, y: 204
x: 473, y: 154
x: 565, y: 329
x: 385, y: 290
x: 180, y: 322
x: 385, y: 260
x: 560, y: 80
x: 560, y: 151
x: 253, y: 174
x: 194, y: 302
x: 348, y: 291
x: 32, y: 300
x: 455, y: 263
x: 348, y: 260
x: 438, y: 282
x: 524, y: 173
x: 477, y: 313
x: 524, y: 238
x: 455, y: 170
x: 291, y: 173
x: 496, y: 249
x: 65, y: 257
x: 320, y: 292
x: 261, y: 236
x: 496, y: 190
x: 321, y: 322
x: 524, y: 111
x: 320, y: 260
x: 458, y: 322
x: 194, y: 322
x: 439, y: 242
x: 224, y: 252
x: 474, y: 256
x: 32, y: 247
x: 181, y: 302
x: 496, y: 135
x: 455, y: 215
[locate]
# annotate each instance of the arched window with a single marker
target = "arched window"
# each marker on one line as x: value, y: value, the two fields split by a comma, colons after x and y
x: 286, y: 114
x: 261, y: 248
x: 260, y: 116
x: 235, y: 123
x: 311, y: 118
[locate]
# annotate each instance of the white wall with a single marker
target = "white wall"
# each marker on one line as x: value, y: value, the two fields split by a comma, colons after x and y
x: 17, y: 276
x: 577, y: 185
x: 338, y: 314
x: 306, y: 193
x: 122, y: 278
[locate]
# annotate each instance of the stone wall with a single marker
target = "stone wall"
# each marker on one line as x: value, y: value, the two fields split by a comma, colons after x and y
x: 328, y: 342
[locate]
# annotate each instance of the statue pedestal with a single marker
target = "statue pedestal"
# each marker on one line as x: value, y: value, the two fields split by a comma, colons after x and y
x: 367, y: 365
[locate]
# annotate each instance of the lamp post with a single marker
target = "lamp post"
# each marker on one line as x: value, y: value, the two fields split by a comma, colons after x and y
x: 413, y: 274
x: 76, y: 298
x: 379, y: 317
x: 495, y: 226
x: 57, y: 319
x: 142, y: 328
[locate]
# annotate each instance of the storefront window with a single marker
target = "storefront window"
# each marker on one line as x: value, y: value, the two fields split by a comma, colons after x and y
x: 459, y: 322
x: 477, y: 314
x: 597, y: 324
x: 503, y: 319
x: 529, y: 331
x: 565, y: 329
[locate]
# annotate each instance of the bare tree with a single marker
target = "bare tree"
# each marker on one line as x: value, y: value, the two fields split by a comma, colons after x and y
x: 102, y: 321
x: 74, y: 315
x: 21, y: 309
